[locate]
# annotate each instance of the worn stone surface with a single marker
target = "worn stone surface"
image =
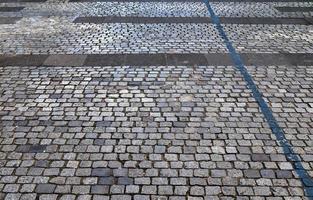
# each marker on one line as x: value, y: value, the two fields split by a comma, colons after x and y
x: 199, y: 132
x: 151, y: 111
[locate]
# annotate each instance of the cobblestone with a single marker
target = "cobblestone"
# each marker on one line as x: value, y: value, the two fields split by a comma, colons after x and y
x: 175, y: 130
x: 165, y: 38
x: 155, y: 170
x: 287, y: 38
x: 258, y: 9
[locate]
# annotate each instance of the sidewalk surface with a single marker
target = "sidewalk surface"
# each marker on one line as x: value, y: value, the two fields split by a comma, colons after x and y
x: 156, y: 99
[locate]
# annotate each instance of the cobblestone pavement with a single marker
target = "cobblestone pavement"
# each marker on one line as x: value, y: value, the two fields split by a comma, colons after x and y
x: 156, y: 108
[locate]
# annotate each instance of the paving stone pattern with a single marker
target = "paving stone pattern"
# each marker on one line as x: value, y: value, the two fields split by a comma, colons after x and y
x: 152, y: 130
x: 290, y: 96
x: 260, y: 9
x: 271, y: 38
x: 156, y: 9
x: 135, y: 111
x: 59, y: 36
x: 151, y: 9
x: 63, y: 37
x: 52, y: 30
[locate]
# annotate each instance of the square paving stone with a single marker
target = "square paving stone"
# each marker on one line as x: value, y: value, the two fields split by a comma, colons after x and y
x: 267, y: 173
x: 308, y: 182
x: 125, y: 181
x: 106, y: 180
x: 120, y: 172
x: 65, y: 60
x: 99, y: 189
x: 102, y: 172
x: 41, y: 163
x: 252, y: 173
x: 134, y: 83
x: 36, y: 148
x: 284, y: 174
x: 260, y: 157
x: 45, y: 188
x: 103, y: 124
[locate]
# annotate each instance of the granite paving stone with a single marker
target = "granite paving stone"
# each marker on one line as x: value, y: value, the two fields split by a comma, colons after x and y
x: 147, y: 171
x: 103, y: 99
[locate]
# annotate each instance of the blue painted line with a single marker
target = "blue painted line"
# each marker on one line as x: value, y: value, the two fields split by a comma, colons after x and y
x: 291, y: 155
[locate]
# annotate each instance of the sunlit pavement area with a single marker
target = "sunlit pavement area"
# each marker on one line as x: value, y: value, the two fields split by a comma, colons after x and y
x: 156, y: 99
